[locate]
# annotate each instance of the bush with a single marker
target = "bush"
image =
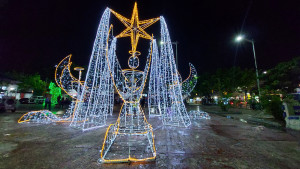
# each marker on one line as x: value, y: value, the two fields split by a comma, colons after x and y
x: 254, y: 105
x: 289, y: 100
x: 224, y: 107
x: 273, y: 105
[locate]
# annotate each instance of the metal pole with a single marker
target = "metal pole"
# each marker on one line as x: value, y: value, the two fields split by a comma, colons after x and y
x: 78, y: 87
x: 176, y: 43
x: 176, y: 56
x: 79, y: 77
x: 257, y: 79
x: 79, y: 69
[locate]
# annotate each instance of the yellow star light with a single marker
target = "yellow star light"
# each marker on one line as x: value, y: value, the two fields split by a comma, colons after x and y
x: 134, y: 27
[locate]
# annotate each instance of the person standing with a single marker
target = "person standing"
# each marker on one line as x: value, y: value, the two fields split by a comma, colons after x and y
x: 58, y: 100
x: 61, y: 103
x: 48, y: 100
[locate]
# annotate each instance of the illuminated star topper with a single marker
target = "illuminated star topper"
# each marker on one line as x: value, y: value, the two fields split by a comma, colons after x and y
x: 134, y: 28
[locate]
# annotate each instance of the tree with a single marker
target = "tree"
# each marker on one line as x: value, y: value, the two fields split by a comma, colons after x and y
x: 203, y: 85
x: 29, y: 82
x: 225, y: 81
x: 283, y: 78
x: 279, y: 81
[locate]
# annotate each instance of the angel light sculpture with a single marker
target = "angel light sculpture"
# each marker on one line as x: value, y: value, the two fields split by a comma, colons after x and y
x: 131, y: 137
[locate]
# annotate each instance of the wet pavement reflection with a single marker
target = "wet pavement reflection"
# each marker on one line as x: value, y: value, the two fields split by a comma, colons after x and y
x: 215, y: 143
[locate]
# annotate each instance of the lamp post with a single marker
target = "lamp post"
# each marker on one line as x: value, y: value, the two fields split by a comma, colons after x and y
x: 240, y: 38
x: 174, y: 43
x: 79, y: 69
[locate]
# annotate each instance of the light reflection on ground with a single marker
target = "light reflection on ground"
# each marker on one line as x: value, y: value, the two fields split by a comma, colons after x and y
x: 215, y: 143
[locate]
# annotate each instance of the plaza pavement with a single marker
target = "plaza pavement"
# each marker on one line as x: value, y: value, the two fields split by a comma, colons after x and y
x: 216, y: 143
x: 245, y: 115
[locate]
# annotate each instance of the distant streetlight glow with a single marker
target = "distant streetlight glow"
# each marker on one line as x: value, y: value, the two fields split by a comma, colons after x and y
x: 265, y: 72
x: 239, y: 38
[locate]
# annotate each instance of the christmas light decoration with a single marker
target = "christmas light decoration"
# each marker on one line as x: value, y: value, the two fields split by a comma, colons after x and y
x: 134, y: 29
x: 189, y: 83
x: 64, y: 78
x: 45, y: 117
x: 66, y: 82
x: 154, y: 84
x: 131, y: 127
x: 131, y: 137
x: 41, y: 116
x: 197, y: 115
x: 171, y: 104
x: 95, y: 100
x: 153, y: 94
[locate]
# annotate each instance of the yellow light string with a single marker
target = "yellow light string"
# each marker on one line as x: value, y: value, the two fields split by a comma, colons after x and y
x: 134, y: 27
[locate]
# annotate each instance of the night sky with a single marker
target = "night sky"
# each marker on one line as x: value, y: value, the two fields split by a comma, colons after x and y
x: 36, y: 34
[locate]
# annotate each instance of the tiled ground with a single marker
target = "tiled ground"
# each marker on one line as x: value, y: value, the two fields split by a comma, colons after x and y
x: 215, y: 143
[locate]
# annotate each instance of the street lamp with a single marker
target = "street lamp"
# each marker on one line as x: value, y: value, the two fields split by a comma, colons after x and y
x: 239, y: 38
x: 173, y: 43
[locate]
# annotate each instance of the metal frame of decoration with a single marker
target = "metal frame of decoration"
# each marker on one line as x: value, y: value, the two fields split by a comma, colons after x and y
x: 131, y: 138
x: 68, y: 83
x: 154, y: 82
x: 93, y: 99
x: 96, y: 98
x: 197, y: 115
x: 189, y: 83
x: 171, y: 104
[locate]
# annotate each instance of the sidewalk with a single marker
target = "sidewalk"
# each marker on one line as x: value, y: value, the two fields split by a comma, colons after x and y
x: 245, y: 115
x: 25, y: 108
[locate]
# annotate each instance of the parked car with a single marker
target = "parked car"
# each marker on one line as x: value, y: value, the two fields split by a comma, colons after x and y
x: 27, y: 101
x: 37, y: 99
x: 24, y: 101
x: 8, y: 103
